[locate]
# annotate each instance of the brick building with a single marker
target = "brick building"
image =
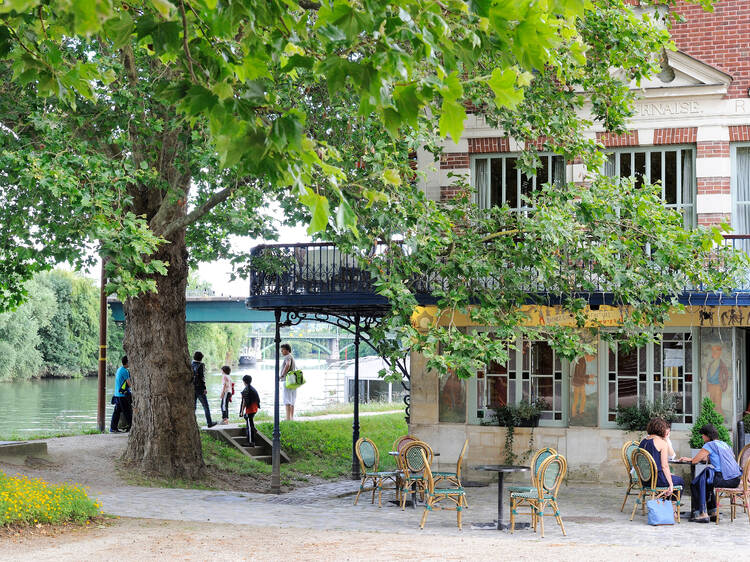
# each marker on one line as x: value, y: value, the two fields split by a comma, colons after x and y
x: 691, y: 131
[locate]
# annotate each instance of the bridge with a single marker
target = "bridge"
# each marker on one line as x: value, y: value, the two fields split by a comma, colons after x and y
x: 205, y: 309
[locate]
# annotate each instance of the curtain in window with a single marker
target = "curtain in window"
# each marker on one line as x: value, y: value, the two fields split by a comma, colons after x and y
x: 688, y: 188
x: 610, y: 166
x: 558, y: 170
x: 480, y: 183
x: 742, y: 212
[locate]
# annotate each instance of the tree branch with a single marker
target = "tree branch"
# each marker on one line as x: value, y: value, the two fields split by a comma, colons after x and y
x: 185, y: 41
x: 308, y: 5
x: 186, y: 220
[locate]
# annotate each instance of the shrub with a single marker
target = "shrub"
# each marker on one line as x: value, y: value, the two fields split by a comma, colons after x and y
x: 636, y: 418
x: 708, y: 415
x: 746, y: 421
x: 25, y: 501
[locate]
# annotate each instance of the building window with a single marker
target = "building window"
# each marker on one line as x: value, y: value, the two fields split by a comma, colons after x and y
x: 741, y: 191
x: 532, y: 371
x: 673, y: 168
x: 656, y: 371
x: 498, y: 181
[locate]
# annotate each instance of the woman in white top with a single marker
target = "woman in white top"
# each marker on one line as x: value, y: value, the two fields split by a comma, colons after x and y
x: 226, y: 393
x: 290, y: 394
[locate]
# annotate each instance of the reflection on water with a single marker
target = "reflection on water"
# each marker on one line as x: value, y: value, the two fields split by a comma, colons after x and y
x: 42, y: 406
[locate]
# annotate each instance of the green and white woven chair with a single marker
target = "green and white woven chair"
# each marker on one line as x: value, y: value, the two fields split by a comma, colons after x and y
x: 536, y: 461
x: 433, y: 495
x: 453, y: 478
x: 550, y: 476
x: 634, y: 485
x: 412, y: 465
x: 368, y: 457
x: 645, y: 468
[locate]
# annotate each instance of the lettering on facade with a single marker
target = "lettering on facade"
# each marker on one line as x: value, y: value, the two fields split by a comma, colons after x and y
x: 657, y: 109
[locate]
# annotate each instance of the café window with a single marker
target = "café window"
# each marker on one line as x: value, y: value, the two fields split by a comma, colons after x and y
x: 498, y: 181
x: 660, y: 371
x: 741, y: 193
x: 533, y: 370
x: 673, y: 168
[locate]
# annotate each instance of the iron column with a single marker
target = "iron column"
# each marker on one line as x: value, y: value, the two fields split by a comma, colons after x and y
x: 355, y: 425
x: 102, y: 374
x: 276, y: 449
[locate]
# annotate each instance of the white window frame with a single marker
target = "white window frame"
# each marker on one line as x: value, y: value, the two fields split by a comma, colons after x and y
x: 604, y: 421
x: 482, y: 193
x: 691, y: 219
x: 740, y: 244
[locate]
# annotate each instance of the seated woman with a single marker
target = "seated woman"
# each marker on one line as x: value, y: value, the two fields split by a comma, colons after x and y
x: 722, y: 472
x: 656, y: 444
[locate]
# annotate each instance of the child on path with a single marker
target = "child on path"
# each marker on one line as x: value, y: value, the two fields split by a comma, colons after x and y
x: 249, y: 407
x: 227, y: 390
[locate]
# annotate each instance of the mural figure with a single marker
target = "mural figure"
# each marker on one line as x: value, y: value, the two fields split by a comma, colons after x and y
x: 452, y: 408
x: 716, y: 375
x: 583, y: 383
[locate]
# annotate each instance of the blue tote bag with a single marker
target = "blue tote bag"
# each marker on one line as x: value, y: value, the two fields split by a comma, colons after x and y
x: 660, y: 512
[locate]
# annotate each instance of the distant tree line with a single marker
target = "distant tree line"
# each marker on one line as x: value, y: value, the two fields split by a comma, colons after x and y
x: 55, y: 333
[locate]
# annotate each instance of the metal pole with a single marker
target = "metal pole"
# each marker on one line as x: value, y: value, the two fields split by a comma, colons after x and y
x: 276, y: 449
x: 355, y: 425
x: 102, y: 375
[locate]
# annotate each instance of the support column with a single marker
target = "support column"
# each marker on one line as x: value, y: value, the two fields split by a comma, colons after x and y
x: 355, y: 425
x: 276, y: 448
x: 102, y: 374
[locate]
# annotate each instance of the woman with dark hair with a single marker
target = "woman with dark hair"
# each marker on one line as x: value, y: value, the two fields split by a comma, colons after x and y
x: 656, y: 445
x: 721, y: 472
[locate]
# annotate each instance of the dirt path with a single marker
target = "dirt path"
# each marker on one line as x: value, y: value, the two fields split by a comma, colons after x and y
x: 139, y: 539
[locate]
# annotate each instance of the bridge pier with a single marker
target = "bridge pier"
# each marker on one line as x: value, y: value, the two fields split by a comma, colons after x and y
x: 333, y: 345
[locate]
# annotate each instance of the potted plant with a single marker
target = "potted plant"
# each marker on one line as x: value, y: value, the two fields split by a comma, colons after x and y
x: 525, y: 414
x: 708, y: 414
x: 636, y: 417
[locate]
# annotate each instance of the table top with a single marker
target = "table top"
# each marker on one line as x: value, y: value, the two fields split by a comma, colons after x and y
x: 680, y: 462
x: 395, y: 453
x: 503, y: 468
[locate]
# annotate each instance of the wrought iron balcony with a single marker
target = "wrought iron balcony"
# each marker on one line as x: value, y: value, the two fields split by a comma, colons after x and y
x: 319, y: 277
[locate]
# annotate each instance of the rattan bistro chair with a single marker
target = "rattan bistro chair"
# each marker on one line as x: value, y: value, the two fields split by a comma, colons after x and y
x: 453, y: 478
x: 551, y: 474
x: 645, y: 468
x: 739, y: 496
x: 435, y: 495
x: 399, y: 444
x: 634, y: 485
x: 368, y: 456
x: 412, y: 469
x: 536, y: 461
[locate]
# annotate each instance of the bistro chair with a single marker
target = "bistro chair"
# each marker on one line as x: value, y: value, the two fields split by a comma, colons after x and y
x: 412, y: 469
x: 402, y: 442
x: 549, y: 477
x: 645, y: 468
x: 536, y: 461
x: 435, y: 495
x: 739, y: 496
x: 399, y: 444
x: 453, y: 478
x: 634, y: 485
x: 368, y: 457
x: 744, y: 455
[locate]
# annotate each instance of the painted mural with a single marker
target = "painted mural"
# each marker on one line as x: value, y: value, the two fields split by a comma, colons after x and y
x: 452, y: 407
x: 716, y: 369
x: 584, y: 404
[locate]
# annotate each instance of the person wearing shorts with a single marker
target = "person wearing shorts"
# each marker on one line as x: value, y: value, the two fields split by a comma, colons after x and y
x: 290, y: 394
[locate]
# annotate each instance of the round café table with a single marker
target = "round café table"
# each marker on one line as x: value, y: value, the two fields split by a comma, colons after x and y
x: 501, y: 470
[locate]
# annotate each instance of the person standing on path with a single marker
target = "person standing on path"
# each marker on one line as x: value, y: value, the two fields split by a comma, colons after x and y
x: 120, y: 397
x: 199, y: 384
x: 290, y: 394
x: 249, y: 407
x: 227, y: 390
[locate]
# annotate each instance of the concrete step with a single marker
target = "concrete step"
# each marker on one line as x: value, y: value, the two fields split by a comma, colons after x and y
x: 268, y: 459
x: 235, y: 436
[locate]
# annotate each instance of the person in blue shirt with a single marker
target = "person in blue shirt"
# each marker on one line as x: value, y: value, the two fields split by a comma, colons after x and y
x: 721, y: 472
x: 121, y: 397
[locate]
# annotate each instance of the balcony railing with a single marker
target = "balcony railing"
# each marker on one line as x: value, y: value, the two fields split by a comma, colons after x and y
x: 321, y: 274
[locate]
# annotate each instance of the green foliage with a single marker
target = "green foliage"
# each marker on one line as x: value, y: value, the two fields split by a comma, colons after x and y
x: 525, y: 414
x: 220, y: 343
x: 746, y: 421
x: 636, y: 418
x: 708, y: 414
x: 324, y: 447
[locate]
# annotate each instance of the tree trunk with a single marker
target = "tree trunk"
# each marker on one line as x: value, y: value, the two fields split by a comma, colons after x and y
x: 164, y: 438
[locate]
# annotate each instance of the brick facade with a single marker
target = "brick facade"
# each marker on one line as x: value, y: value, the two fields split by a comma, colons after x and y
x: 488, y: 144
x: 454, y: 160
x: 720, y: 38
x: 714, y: 185
x: 713, y: 219
x: 611, y: 140
x: 738, y: 133
x: 683, y: 135
x: 713, y: 149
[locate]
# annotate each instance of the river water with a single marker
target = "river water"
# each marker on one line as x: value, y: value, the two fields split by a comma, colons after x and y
x: 62, y: 405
